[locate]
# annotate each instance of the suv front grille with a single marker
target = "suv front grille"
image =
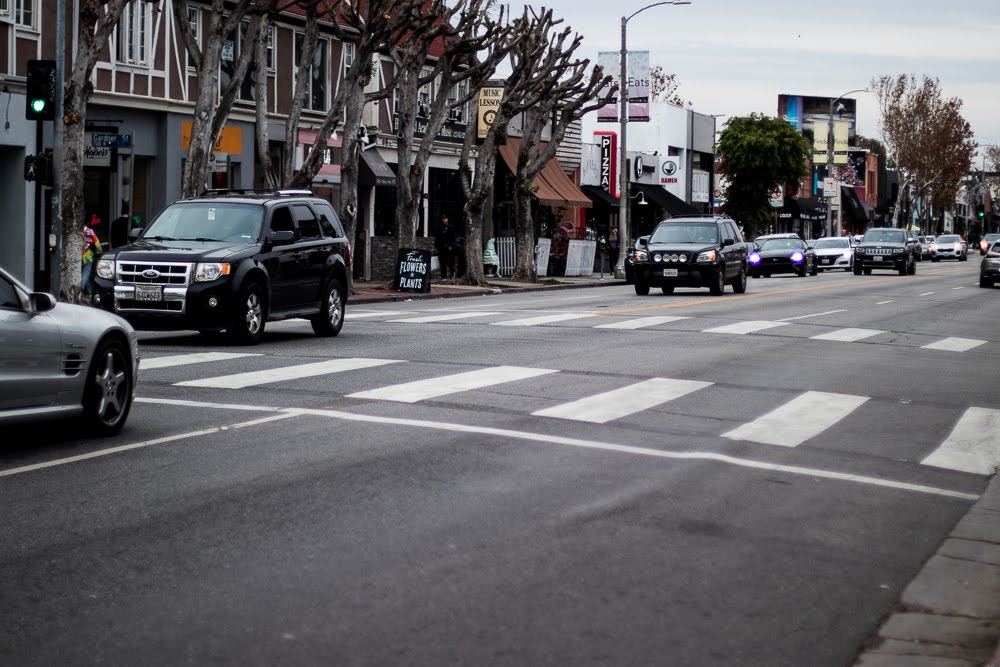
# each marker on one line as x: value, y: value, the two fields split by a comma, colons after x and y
x: 168, y: 273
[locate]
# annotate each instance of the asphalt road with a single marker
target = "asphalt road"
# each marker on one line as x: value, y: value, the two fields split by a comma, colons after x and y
x: 749, y: 479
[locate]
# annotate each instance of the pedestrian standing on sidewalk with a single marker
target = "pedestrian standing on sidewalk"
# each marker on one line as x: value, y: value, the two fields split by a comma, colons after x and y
x: 91, y: 248
x: 445, y: 241
x: 613, y: 246
x: 118, y: 229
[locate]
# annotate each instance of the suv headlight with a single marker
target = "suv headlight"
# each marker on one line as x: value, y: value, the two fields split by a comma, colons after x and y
x: 106, y: 268
x: 210, y: 271
x: 709, y: 256
x: 641, y: 255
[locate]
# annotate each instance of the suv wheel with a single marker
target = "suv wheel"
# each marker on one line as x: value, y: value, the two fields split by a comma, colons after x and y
x: 740, y: 284
x: 330, y: 318
x: 718, y: 285
x: 912, y: 271
x: 857, y: 269
x: 251, y: 312
x: 641, y: 288
x: 986, y: 283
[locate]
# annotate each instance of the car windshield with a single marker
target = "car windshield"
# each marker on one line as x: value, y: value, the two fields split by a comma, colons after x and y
x: 990, y: 238
x: 885, y: 235
x: 949, y: 239
x: 682, y: 232
x: 207, y: 221
x: 832, y: 243
x: 783, y: 244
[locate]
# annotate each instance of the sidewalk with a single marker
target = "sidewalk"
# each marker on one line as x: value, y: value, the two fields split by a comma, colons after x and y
x: 378, y: 292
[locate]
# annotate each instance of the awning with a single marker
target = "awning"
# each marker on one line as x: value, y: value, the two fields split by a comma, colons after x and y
x: 789, y: 209
x: 600, y: 195
x: 668, y: 201
x: 553, y: 187
x: 851, y: 205
x: 374, y: 170
x: 812, y: 210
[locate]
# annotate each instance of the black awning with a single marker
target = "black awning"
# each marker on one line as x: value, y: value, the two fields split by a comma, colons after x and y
x: 789, y: 209
x: 813, y: 210
x: 599, y: 195
x: 851, y: 205
x: 668, y: 201
x: 373, y: 170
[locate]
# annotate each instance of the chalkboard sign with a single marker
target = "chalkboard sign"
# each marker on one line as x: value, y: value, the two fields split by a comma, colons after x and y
x: 413, y: 270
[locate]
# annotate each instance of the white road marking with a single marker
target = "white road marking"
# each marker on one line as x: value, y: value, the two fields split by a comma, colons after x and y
x: 443, y: 318
x: 193, y: 358
x: 602, y: 408
x: 149, y: 443
x: 641, y: 322
x: 745, y: 327
x: 955, y: 344
x: 354, y: 315
x: 848, y: 335
x: 800, y: 419
x: 204, y: 404
x: 543, y: 319
x: 927, y: 293
x: 241, y: 380
x: 973, y: 445
x: 814, y: 473
x: 803, y: 317
x: 882, y: 303
x: 413, y: 392
x: 958, y: 288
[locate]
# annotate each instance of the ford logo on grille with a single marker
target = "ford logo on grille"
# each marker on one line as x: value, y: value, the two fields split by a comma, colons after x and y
x: 150, y: 273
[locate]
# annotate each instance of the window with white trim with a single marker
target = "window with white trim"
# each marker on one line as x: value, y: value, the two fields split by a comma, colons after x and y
x: 348, y: 56
x: 132, y: 35
x: 4, y: 7
x: 24, y: 13
x: 316, y: 88
x: 270, y: 48
x: 457, y: 92
x: 194, y: 20
x: 395, y: 110
x: 425, y: 95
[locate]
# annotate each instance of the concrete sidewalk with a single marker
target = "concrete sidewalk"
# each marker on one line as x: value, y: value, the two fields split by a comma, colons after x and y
x: 375, y: 292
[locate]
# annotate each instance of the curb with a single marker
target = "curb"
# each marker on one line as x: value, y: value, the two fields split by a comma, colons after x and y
x: 949, y: 615
x: 390, y: 297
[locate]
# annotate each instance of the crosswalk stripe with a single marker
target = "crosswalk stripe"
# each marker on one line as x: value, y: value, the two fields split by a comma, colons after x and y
x: 543, y: 319
x: 955, y: 344
x: 803, y: 417
x: 253, y: 378
x: 412, y: 392
x: 193, y: 358
x: 447, y: 317
x: 848, y: 335
x: 973, y: 445
x: 641, y: 322
x: 352, y: 315
x: 749, y: 326
x: 604, y: 407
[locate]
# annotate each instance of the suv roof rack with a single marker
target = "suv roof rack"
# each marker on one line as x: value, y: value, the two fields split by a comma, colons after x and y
x: 222, y: 192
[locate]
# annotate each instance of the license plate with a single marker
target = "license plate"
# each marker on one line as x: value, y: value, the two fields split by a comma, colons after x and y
x: 149, y: 293
x: 828, y: 260
x: 669, y: 273
x: 877, y: 258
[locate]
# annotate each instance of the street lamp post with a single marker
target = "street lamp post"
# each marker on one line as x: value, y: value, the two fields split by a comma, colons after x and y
x: 829, y: 157
x: 623, y: 196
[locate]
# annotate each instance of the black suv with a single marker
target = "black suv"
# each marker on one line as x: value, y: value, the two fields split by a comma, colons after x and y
x: 231, y: 260
x: 692, y: 251
x: 886, y: 248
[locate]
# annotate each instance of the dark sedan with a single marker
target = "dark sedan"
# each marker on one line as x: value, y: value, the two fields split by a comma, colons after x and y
x: 782, y: 255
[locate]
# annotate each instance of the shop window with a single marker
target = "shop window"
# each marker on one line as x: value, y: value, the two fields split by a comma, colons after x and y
x: 132, y: 34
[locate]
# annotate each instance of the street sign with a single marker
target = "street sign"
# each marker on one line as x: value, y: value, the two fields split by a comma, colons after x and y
x: 99, y: 140
x: 830, y: 187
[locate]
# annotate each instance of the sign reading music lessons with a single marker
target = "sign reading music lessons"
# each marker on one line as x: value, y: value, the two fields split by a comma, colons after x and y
x: 230, y: 141
x: 489, y: 104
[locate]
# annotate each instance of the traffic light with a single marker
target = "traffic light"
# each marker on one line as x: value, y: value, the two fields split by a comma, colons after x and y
x: 38, y: 168
x: 40, y: 100
x: 980, y: 211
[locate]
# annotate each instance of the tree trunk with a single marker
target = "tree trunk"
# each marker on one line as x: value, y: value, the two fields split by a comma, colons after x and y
x: 195, y: 174
x: 524, y: 269
x: 476, y: 197
x: 898, y: 207
x: 408, y: 184
x: 260, y: 90
x: 353, y: 110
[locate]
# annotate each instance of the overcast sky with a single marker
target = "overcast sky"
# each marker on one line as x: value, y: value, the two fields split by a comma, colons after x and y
x: 735, y: 56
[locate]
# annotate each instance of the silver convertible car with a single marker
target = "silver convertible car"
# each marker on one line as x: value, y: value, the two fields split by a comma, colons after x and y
x: 58, y: 359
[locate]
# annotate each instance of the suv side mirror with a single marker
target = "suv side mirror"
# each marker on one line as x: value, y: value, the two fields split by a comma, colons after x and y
x: 728, y: 242
x: 134, y: 233
x: 41, y: 302
x: 911, y: 240
x: 642, y: 242
x: 282, y: 238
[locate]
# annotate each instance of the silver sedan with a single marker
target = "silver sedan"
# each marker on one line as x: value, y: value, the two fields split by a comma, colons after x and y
x: 59, y: 359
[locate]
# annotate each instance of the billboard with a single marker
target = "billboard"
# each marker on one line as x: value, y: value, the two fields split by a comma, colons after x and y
x: 608, y: 61
x: 803, y: 110
x: 638, y: 86
x: 840, y: 141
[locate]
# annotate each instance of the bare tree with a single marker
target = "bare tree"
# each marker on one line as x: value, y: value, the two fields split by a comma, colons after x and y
x: 260, y: 108
x: 97, y: 22
x: 663, y: 87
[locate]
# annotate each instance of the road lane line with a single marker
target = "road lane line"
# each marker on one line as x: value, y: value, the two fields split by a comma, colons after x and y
x: 147, y: 443
x: 800, y: 419
x: 604, y: 446
x: 927, y: 293
x: 973, y: 445
x: 618, y: 403
x: 285, y: 373
x: 882, y: 303
x: 443, y: 318
x: 353, y: 315
x: 194, y: 358
x: 958, y: 287
x: 803, y: 317
x: 413, y: 392
x: 848, y: 335
x: 955, y: 344
x: 543, y: 319
x: 741, y: 328
x: 641, y: 322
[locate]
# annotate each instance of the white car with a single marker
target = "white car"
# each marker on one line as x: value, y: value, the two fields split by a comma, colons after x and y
x: 835, y: 252
x: 59, y: 359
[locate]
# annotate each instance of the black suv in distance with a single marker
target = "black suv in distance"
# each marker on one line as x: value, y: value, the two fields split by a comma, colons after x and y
x: 232, y: 260
x: 886, y: 248
x: 692, y: 251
